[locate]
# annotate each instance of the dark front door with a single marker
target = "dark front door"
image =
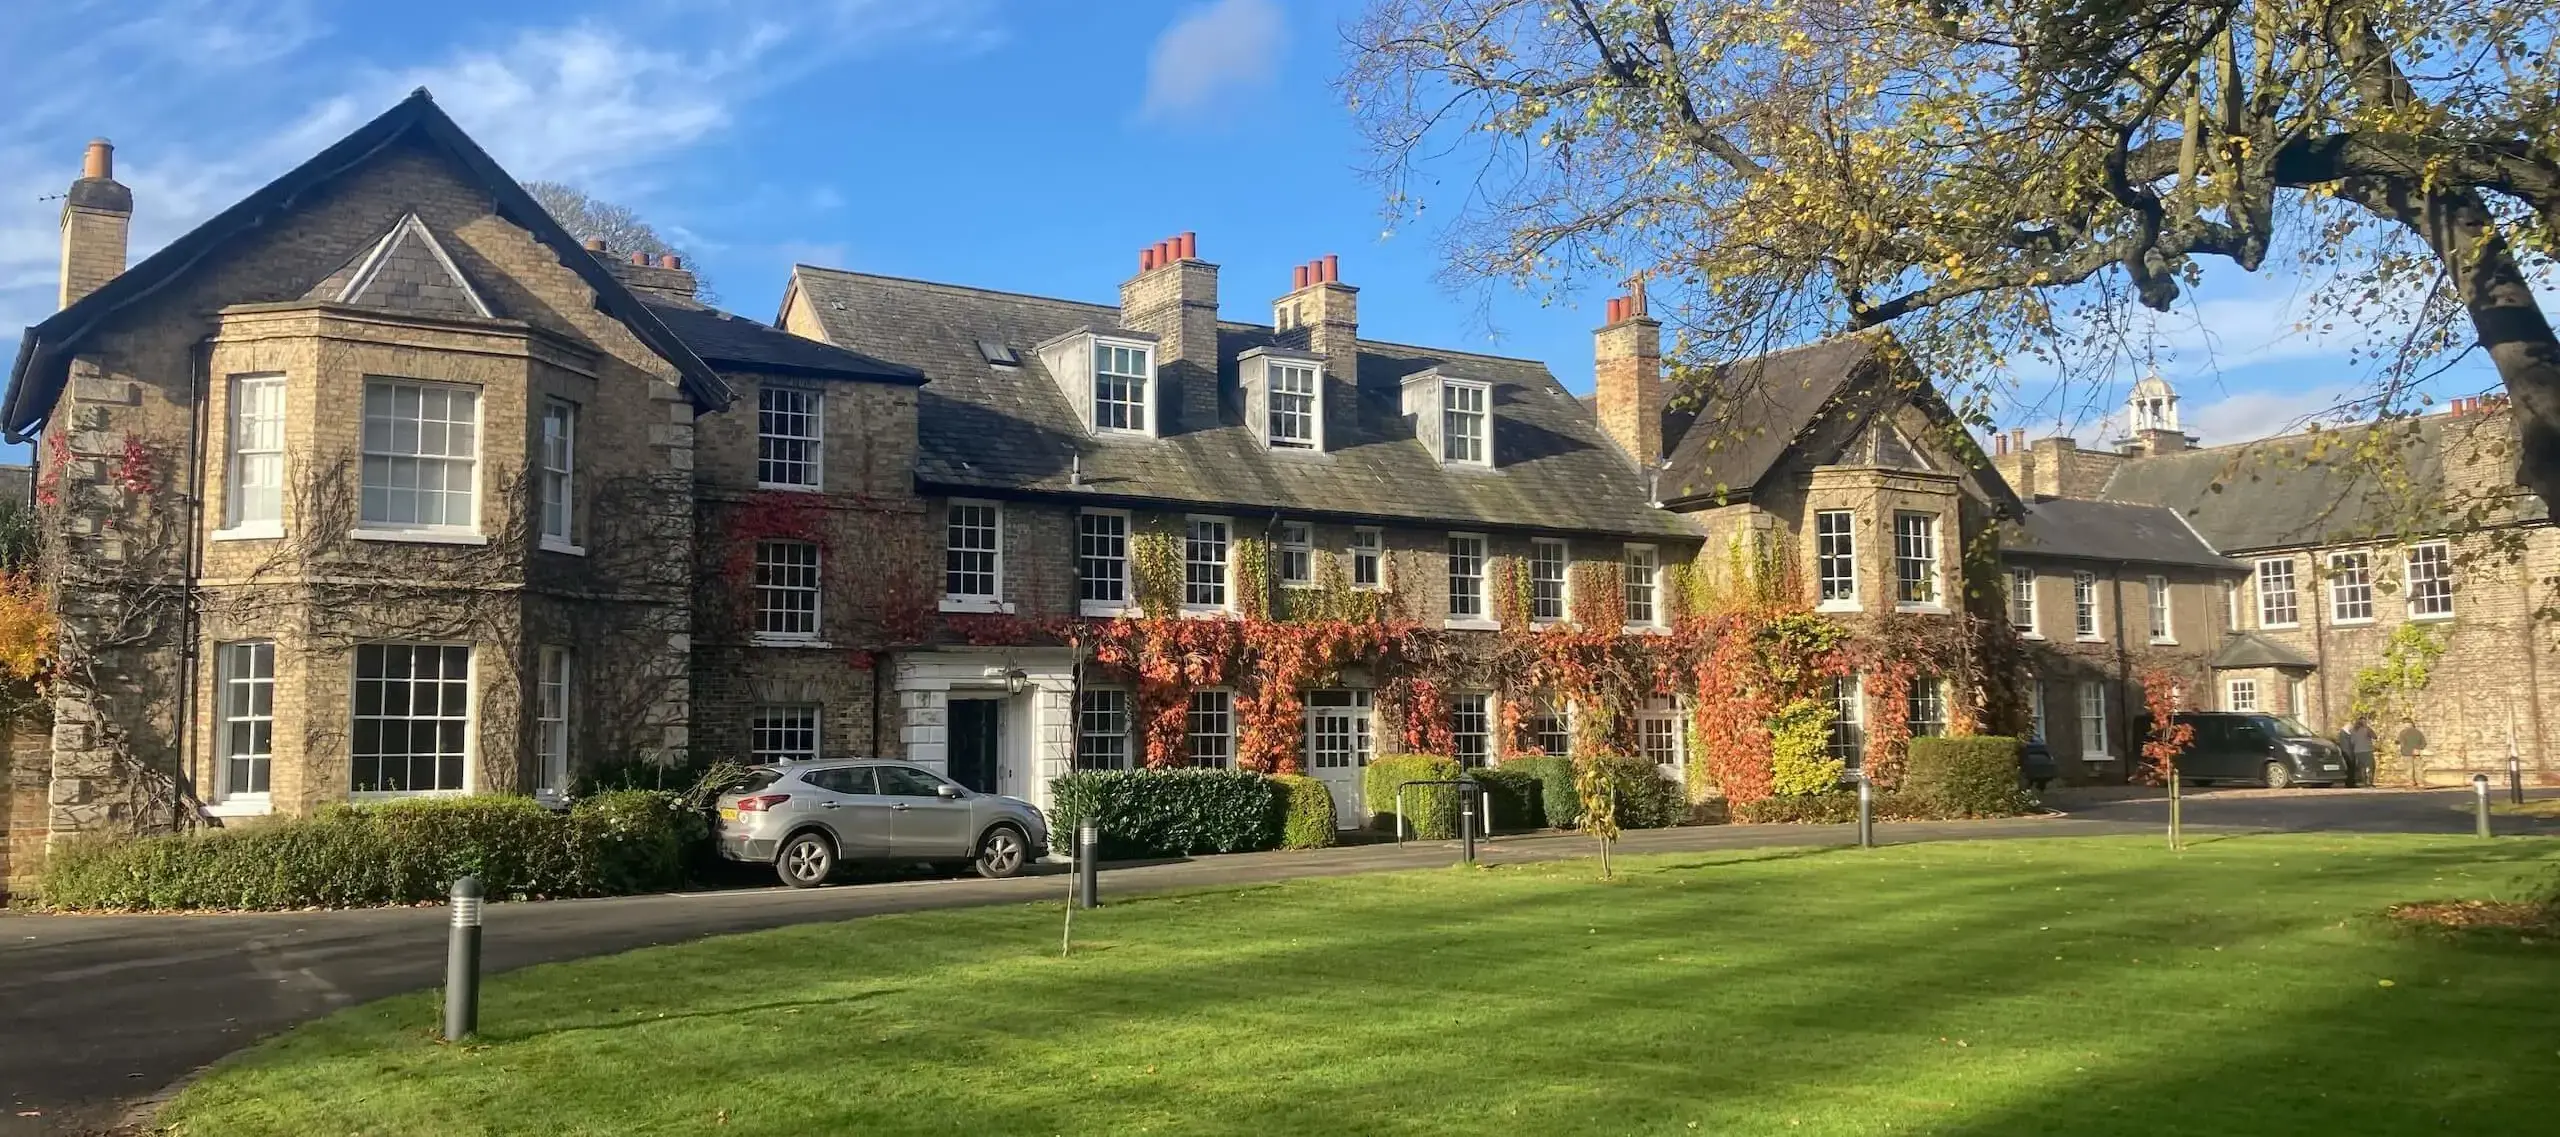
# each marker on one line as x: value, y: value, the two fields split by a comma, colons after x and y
x: 973, y: 743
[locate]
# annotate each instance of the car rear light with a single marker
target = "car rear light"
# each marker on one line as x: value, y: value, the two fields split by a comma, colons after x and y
x: 761, y: 802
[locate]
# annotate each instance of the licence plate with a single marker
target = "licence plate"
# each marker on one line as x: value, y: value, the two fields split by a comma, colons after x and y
x: 728, y: 813
x: 2330, y: 766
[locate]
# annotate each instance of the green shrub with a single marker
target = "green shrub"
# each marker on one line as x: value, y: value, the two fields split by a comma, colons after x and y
x: 1515, y: 797
x: 1305, y: 807
x: 1830, y: 808
x: 1800, y: 760
x: 1647, y: 799
x: 403, y: 852
x: 1559, y: 805
x: 1975, y: 776
x: 1165, y: 813
x: 1431, y: 811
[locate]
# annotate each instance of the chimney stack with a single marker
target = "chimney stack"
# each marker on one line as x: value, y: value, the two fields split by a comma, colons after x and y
x: 1325, y: 311
x: 1627, y: 375
x: 661, y: 276
x: 1175, y: 297
x: 97, y: 217
x: 596, y: 245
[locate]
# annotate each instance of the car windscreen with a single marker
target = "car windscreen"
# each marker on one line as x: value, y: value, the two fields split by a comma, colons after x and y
x: 2285, y: 727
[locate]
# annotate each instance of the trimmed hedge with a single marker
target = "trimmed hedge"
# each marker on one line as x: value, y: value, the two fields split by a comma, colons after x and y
x: 1434, y: 809
x: 1975, y: 776
x: 1306, y: 811
x: 1517, y: 801
x: 406, y: 852
x: 1559, y: 806
x: 1166, y: 813
x: 1646, y: 799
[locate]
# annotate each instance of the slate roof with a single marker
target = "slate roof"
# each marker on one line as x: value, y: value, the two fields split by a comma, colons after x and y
x: 1753, y: 412
x: 2313, y: 489
x: 1011, y: 430
x: 726, y: 339
x: 2249, y: 649
x: 2110, y: 531
x: 405, y: 271
x: 44, y: 355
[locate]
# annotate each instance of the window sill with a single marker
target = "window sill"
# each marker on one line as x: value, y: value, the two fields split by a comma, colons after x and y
x: 980, y: 604
x: 2435, y: 619
x: 1298, y: 585
x: 1645, y: 630
x: 421, y: 536
x: 1839, y: 606
x: 2088, y: 639
x: 2280, y: 627
x: 1924, y: 608
x: 2028, y: 635
x: 2350, y: 622
x: 361, y: 797
x: 241, y: 805
x: 1205, y: 612
x: 556, y: 545
x: 1100, y: 611
x: 2163, y: 641
x: 261, y: 531
x: 788, y: 641
x: 788, y: 487
x: 1470, y: 624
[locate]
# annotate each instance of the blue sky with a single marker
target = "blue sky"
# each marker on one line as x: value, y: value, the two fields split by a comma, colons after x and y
x: 1032, y: 146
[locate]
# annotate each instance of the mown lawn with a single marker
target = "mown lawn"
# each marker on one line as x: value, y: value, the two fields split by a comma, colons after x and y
x: 2248, y: 986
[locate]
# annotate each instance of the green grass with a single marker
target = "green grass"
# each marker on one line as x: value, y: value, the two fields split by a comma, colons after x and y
x: 2247, y: 986
x: 2533, y: 807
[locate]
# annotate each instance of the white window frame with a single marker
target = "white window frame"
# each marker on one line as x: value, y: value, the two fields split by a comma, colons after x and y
x: 1847, y: 739
x: 2291, y: 594
x: 2351, y: 588
x: 238, y: 681
x: 2022, y: 602
x: 770, y: 723
x: 1137, y: 414
x: 1221, y: 572
x: 2085, y: 626
x: 1312, y: 413
x: 1925, y: 538
x: 470, y: 718
x: 1659, y: 735
x: 2231, y: 604
x: 1935, y: 688
x: 1539, y: 737
x: 1550, y: 597
x: 1835, y: 560
x: 2240, y: 694
x: 991, y: 600
x: 2093, y: 721
x: 552, y: 698
x: 1098, y: 746
x: 255, y: 438
x: 1369, y: 558
x: 1350, y: 724
x: 2297, y: 694
x: 383, y: 529
x: 774, y: 594
x: 1297, y: 543
x: 2430, y: 598
x: 2035, y: 710
x: 1087, y: 556
x: 1479, y: 451
x: 557, y: 469
x: 1471, y: 717
x: 1480, y: 593
x: 2164, y: 628
x: 1216, y: 724
x: 1640, y: 575
x: 769, y: 441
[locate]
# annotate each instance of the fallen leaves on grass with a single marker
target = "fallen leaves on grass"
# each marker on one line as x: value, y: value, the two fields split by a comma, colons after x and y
x: 2470, y: 914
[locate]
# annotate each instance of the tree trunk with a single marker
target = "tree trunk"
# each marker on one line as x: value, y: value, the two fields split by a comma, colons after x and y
x: 2509, y: 321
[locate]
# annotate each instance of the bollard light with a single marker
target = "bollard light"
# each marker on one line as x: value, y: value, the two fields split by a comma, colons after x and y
x: 1088, y: 864
x: 462, y: 962
x: 2515, y: 776
x: 2480, y: 801
x: 1866, y: 812
x: 1466, y: 828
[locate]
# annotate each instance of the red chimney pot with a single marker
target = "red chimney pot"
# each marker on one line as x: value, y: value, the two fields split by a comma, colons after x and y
x: 595, y: 244
x: 670, y: 260
x: 1190, y: 242
x: 639, y: 258
x: 1298, y: 278
x: 1614, y: 302
x: 1332, y: 268
x: 1146, y: 259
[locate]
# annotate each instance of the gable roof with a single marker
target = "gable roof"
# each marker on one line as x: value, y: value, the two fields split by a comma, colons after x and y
x: 726, y: 339
x: 2249, y: 649
x: 406, y: 271
x: 44, y: 354
x: 2337, y: 486
x: 995, y: 429
x: 2110, y: 531
x: 1755, y: 413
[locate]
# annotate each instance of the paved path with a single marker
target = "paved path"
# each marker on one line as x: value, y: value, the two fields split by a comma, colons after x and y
x: 99, y: 1012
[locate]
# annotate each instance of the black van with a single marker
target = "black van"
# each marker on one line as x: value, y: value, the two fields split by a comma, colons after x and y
x: 2249, y: 746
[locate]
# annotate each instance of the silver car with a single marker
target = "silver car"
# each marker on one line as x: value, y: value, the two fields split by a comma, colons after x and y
x: 805, y: 818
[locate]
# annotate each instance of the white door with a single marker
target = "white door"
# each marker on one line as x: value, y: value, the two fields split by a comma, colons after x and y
x: 1338, y: 750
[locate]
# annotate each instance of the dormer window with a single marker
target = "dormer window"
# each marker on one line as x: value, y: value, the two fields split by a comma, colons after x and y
x: 1122, y: 375
x: 1464, y: 422
x: 1293, y: 404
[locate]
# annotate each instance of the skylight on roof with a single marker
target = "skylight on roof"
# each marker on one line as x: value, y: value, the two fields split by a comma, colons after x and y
x: 996, y: 353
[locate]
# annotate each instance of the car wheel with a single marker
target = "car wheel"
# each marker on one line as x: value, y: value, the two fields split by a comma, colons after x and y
x: 1002, y: 853
x: 2279, y: 775
x: 806, y: 861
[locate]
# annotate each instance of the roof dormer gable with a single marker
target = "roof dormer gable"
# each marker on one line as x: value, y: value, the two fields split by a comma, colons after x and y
x: 1452, y: 414
x: 1284, y: 397
x: 1109, y: 376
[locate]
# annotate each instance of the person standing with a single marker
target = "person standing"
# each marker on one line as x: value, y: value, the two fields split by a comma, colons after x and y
x: 2356, y: 743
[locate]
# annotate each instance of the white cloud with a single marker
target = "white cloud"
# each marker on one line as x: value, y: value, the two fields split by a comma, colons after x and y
x: 2251, y: 415
x: 1212, y: 55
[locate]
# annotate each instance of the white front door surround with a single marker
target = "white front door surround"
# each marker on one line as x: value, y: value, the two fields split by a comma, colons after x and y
x: 1035, y: 730
x: 1338, y: 744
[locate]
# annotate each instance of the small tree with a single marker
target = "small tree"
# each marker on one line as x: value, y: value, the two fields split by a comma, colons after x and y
x: 2169, y: 738
x: 1596, y: 781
